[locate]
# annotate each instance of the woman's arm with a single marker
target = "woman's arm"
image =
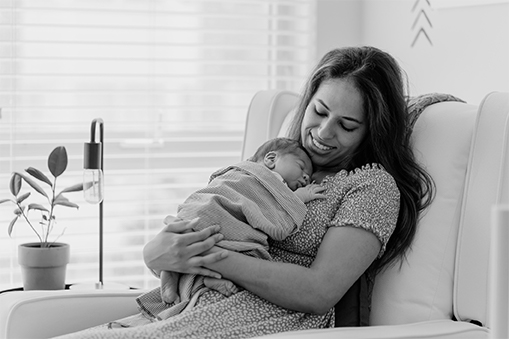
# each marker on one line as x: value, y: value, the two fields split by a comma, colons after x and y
x: 344, y: 255
x: 177, y: 249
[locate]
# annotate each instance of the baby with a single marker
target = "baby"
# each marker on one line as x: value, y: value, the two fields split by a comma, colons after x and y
x: 252, y: 200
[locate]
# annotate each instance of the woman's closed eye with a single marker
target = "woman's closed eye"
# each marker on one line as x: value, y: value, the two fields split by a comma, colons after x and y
x: 347, y: 129
x: 341, y: 124
x: 320, y: 114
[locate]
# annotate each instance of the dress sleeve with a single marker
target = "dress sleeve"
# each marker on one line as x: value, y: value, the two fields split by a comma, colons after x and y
x: 372, y: 203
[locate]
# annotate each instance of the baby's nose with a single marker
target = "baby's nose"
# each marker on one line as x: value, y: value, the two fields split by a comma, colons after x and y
x: 306, y: 178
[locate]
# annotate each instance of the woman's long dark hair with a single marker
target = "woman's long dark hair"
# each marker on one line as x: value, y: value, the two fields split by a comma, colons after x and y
x: 379, y: 80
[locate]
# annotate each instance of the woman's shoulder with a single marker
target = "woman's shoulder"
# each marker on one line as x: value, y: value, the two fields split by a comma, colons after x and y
x: 368, y: 172
x: 373, y: 175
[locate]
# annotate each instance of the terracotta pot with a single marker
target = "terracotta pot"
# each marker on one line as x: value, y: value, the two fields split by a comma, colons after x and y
x: 43, y: 268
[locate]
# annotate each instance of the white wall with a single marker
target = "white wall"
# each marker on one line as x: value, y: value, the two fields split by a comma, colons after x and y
x: 469, y: 51
x: 339, y: 23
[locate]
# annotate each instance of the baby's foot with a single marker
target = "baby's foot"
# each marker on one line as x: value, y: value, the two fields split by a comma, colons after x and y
x: 226, y: 287
x: 169, y: 287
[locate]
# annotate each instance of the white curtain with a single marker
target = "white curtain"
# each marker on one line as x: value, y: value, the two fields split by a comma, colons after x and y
x: 172, y: 80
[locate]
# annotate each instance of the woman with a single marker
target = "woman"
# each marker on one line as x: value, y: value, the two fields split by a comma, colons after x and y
x: 352, y: 120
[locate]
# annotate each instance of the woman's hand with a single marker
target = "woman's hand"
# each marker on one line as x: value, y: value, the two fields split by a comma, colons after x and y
x: 178, y: 248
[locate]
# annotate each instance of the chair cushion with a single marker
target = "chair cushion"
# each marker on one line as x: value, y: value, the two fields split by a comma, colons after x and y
x: 422, y: 288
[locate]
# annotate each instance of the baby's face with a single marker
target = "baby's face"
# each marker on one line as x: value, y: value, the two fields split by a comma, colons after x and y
x: 295, y: 169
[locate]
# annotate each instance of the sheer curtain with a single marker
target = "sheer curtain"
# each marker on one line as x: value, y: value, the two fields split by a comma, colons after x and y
x: 172, y: 80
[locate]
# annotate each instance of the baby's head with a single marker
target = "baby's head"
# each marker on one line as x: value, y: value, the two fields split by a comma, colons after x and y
x: 288, y: 158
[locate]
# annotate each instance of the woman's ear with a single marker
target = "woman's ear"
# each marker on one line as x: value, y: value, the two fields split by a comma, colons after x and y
x: 270, y: 160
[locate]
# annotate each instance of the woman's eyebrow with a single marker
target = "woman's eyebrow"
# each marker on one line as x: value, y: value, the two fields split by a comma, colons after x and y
x: 346, y: 118
x: 323, y: 104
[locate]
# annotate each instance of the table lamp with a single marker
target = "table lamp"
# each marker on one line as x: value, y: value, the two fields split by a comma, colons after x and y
x: 93, y: 189
x: 93, y: 181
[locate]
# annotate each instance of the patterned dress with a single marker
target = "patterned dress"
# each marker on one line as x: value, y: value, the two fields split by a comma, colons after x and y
x: 367, y: 198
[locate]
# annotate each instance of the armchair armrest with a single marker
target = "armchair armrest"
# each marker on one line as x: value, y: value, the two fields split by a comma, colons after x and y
x: 44, y: 314
x: 433, y: 329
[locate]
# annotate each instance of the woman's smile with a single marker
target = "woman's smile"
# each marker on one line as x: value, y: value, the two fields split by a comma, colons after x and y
x: 320, y: 145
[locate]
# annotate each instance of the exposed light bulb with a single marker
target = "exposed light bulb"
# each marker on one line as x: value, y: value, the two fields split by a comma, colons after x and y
x: 93, y: 185
x: 93, y: 177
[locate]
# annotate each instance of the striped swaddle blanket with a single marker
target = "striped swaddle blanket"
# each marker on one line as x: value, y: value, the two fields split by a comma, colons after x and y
x: 251, y: 204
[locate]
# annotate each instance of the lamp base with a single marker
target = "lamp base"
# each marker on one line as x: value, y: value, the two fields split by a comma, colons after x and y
x: 99, y: 286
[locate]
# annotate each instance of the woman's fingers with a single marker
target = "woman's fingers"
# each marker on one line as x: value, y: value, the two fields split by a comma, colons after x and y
x: 205, y: 272
x: 202, y: 241
x: 175, y: 225
x: 169, y: 219
x: 215, y: 255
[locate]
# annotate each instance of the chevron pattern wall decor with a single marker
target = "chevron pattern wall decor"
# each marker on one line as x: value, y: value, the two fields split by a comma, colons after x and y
x: 422, y: 23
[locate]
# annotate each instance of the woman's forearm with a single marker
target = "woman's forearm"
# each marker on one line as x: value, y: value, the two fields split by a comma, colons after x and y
x: 283, y: 284
x: 345, y: 253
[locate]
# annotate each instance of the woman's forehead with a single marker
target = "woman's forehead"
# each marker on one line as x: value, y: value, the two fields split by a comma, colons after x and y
x: 340, y: 97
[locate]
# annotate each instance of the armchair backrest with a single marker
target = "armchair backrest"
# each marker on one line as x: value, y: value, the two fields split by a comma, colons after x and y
x: 487, y: 184
x: 265, y: 117
x: 465, y: 149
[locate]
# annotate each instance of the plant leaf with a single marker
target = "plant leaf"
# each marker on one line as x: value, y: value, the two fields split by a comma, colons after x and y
x: 57, y: 161
x: 11, y: 225
x: 88, y: 184
x: 15, y: 183
x: 34, y: 185
x: 73, y: 188
x: 37, y: 207
x: 4, y: 200
x: 67, y: 203
x: 19, y: 211
x: 63, y: 201
x: 59, y: 198
x: 38, y: 175
x: 23, y: 197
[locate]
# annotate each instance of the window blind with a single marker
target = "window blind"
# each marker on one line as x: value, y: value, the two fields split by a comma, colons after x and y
x: 172, y: 81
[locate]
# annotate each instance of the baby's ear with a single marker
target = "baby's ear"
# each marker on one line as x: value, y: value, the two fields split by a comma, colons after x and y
x: 270, y: 160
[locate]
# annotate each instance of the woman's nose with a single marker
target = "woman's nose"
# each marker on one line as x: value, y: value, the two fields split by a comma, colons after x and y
x: 326, y: 130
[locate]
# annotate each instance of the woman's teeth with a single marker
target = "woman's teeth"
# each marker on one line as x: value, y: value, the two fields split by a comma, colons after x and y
x: 320, y: 146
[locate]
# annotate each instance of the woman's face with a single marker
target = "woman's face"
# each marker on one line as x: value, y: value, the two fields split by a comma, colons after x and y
x: 334, y: 123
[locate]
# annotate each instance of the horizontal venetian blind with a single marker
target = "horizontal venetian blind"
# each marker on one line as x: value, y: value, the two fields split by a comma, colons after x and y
x: 172, y: 81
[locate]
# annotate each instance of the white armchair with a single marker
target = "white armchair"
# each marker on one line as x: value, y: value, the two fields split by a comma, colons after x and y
x: 441, y: 291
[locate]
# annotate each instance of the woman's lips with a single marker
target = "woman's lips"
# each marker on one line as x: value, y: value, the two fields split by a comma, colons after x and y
x: 320, y: 145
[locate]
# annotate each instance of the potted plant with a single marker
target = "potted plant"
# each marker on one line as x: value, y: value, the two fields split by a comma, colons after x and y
x: 43, y: 263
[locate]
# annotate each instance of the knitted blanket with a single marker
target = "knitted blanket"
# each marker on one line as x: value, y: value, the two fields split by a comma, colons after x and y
x: 416, y: 105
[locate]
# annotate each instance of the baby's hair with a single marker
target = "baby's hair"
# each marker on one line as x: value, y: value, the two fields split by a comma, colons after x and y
x: 282, y: 145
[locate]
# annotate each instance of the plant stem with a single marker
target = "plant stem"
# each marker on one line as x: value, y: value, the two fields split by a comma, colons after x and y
x: 28, y: 222
x: 52, y: 204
